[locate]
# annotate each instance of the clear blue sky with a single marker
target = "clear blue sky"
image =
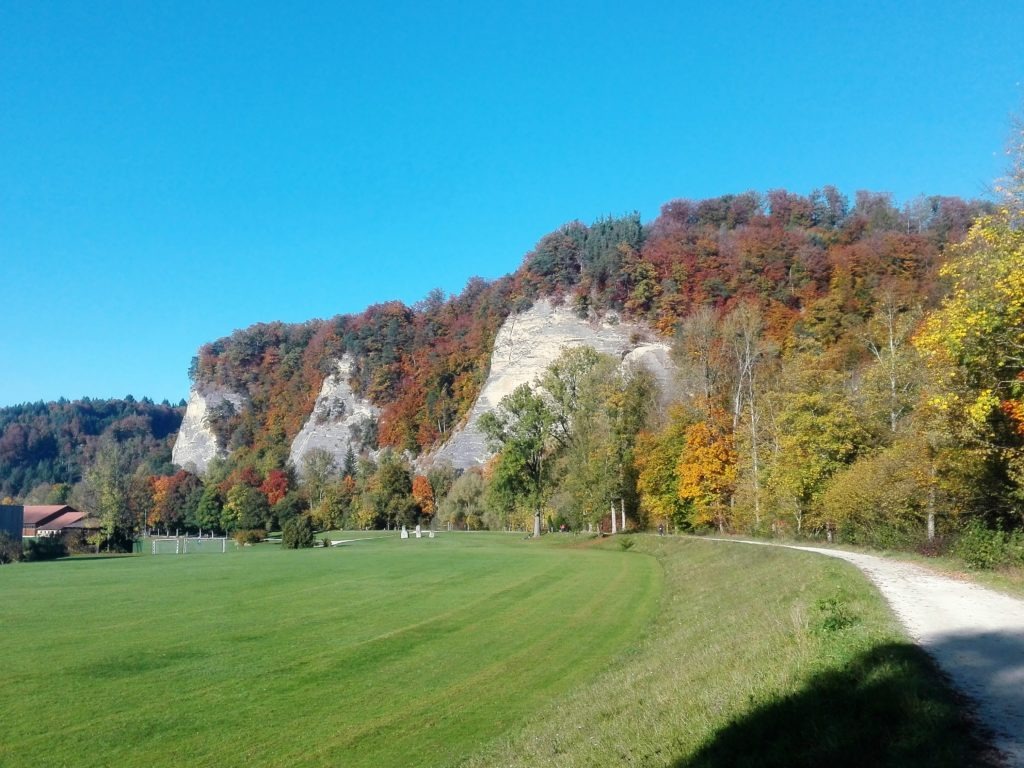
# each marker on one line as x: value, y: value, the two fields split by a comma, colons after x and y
x: 171, y: 171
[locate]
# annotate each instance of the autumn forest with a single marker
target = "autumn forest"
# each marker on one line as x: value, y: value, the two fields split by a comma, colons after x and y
x: 848, y: 369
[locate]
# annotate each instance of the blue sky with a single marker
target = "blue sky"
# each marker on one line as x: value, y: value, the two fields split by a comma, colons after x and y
x: 173, y: 171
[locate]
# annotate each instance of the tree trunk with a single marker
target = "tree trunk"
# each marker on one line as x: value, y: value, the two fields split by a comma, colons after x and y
x: 536, y: 525
x: 614, y: 526
x: 931, y: 504
x: 755, y: 448
x: 622, y: 506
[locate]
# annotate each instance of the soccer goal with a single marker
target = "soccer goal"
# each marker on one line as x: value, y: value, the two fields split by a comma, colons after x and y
x: 190, y: 545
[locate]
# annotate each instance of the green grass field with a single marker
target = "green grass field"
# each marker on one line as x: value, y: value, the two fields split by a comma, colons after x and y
x: 475, y: 649
x: 378, y: 653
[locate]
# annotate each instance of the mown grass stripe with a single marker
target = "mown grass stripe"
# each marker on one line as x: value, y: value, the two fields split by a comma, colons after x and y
x: 242, y: 669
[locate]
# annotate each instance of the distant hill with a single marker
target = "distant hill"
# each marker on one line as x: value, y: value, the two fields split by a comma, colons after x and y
x: 52, y: 444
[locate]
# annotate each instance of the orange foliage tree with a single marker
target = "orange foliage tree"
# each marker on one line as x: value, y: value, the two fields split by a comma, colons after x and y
x: 160, y: 510
x: 275, y: 486
x: 707, y: 473
x: 423, y: 495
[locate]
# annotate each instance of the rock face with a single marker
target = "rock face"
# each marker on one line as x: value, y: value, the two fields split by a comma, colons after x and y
x: 527, y: 344
x: 656, y: 357
x: 338, y: 418
x: 196, y: 445
x: 524, y: 347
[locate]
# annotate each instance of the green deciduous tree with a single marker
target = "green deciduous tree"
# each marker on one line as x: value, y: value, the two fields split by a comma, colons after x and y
x: 818, y: 434
x: 318, y: 470
x: 292, y: 505
x: 742, y: 332
x: 245, y: 509
x: 892, y: 383
x: 392, y: 491
x: 208, y: 512
x: 882, y: 499
x: 522, y: 428
x: 576, y: 387
x: 110, y: 491
x: 464, y: 504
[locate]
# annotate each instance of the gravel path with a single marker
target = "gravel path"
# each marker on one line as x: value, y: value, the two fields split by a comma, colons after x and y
x: 975, y: 634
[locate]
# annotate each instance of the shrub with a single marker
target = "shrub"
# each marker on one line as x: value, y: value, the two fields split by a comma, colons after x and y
x: 250, y: 536
x: 45, y: 548
x: 1015, y: 548
x: 878, y: 500
x: 297, y: 533
x: 937, y: 547
x: 77, y: 542
x: 834, y: 614
x: 982, y: 547
x: 10, y: 550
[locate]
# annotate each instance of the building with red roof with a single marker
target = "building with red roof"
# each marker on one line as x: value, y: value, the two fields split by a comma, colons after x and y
x: 50, y: 519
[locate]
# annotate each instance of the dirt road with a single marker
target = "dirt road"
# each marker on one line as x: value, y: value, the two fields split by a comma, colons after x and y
x: 975, y: 634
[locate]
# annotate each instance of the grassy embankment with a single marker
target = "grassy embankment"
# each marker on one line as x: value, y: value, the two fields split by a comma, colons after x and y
x: 759, y: 657
x: 479, y: 648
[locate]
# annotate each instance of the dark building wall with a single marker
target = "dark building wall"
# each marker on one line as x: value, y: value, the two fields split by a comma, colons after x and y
x: 11, y: 520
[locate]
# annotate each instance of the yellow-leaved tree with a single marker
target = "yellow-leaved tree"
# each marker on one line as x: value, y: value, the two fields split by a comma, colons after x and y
x: 656, y: 459
x: 974, y: 346
x: 707, y: 473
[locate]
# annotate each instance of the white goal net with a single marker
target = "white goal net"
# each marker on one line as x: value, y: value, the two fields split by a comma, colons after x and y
x: 187, y: 545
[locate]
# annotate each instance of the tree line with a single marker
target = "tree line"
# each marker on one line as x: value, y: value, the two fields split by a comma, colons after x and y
x: 45, y: 448
x: 888, y: 410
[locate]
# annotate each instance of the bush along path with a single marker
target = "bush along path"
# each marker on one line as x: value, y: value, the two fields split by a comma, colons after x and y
x: 976, y: 636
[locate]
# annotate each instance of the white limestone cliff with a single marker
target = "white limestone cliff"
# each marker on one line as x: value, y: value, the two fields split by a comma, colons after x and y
x: 336, y: 418
x: 197, y: 445
x: 527, y: 344
x: 656, y: 357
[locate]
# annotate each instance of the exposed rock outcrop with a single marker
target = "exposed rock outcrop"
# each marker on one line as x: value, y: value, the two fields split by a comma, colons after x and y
x: 656, y: 357
x: 197, y: 445
x: 527, y: 344
x: 340, y: 419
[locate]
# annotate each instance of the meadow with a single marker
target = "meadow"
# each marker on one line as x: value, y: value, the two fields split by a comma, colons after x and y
x: 467, y: 649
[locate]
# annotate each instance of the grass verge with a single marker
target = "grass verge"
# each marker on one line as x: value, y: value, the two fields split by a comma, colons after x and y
x: 758, y: 657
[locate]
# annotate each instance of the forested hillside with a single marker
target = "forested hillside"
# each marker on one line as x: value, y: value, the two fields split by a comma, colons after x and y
x: 820, y: 348
x: 45, y: 448
x: 846, y: 369
x: 424, y: 364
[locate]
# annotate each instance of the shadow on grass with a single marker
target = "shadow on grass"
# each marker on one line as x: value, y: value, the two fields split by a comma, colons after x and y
x: 106, y: 556
x: 888, y: 707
